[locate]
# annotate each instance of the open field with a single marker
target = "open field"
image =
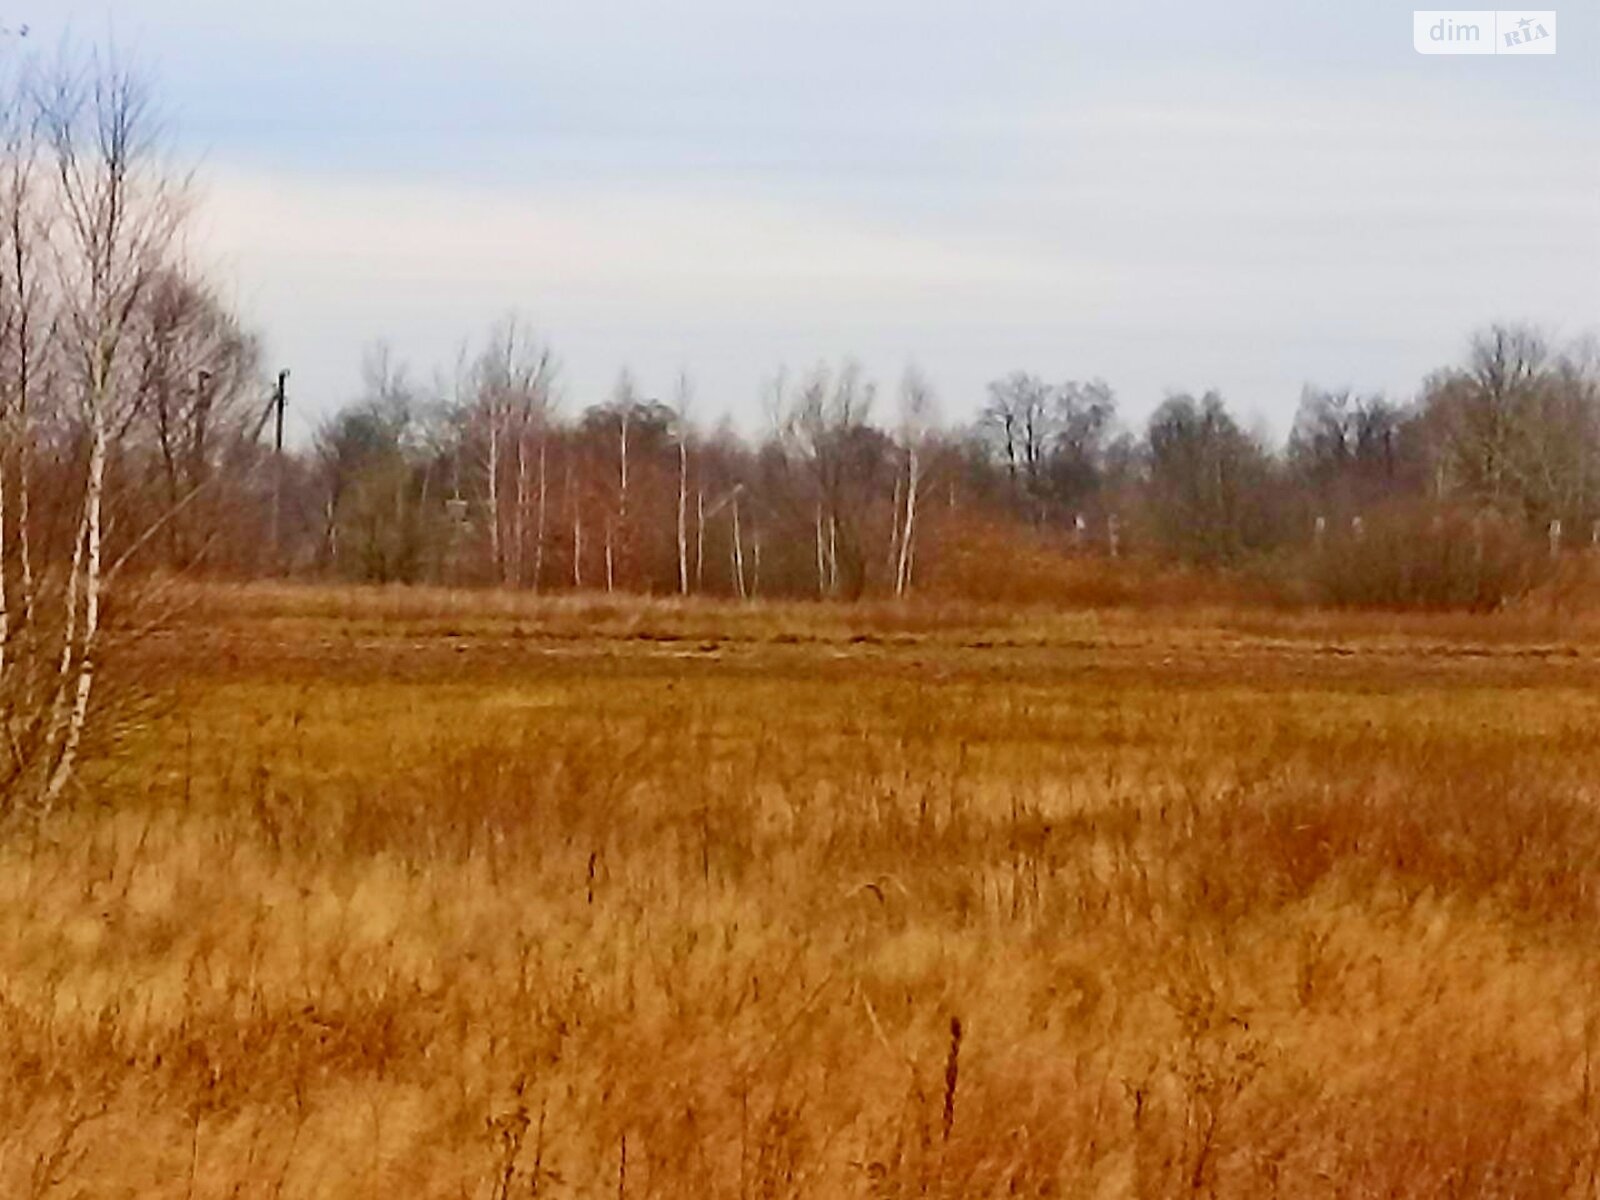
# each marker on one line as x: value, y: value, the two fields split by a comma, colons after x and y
x: 414, y: 894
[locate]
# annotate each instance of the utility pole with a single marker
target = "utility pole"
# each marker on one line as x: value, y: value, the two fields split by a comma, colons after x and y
x: 280, y: 398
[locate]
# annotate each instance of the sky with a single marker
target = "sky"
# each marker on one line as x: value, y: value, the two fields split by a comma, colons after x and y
x: 1249, y: 196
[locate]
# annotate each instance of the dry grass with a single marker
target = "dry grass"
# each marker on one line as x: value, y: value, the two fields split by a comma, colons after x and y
x: 413, y: 894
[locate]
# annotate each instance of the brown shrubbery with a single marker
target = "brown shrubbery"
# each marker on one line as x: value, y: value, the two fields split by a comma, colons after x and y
x: 1008, y: 563
x: 1423, y: 558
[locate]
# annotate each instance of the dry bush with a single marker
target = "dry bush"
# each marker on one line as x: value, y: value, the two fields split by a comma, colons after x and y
x: 1422, y: 558
x: 1569, y: 592
x: 1010, y: 564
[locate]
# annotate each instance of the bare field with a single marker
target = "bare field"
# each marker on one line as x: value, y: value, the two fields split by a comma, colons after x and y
x: 420, y: 894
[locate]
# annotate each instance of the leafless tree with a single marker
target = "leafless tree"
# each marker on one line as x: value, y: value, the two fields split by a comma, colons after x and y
x: 1050, y: 439
x: 26, y: 315
x: 826, y: 431
x: 1208, y: 481
x: 1517, y: 428
x: 680, y: 408
x: 119, y: 216
x: 91, y: 218
x: 1018, y: 417
x: 195, y: 378
x: 511, y: 384
x: 917, y: 415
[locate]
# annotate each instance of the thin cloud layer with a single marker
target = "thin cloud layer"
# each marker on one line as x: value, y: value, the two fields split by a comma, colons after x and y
x: 1135, y: 193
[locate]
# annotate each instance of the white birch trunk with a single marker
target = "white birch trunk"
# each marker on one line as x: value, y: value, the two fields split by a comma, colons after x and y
x: 622, y: 495
x: 577, y: 550
x: 69, y: 640
x: 699, y: 540
x: 538, y: 542
x: 519, y: 517
x: 82, y: 685
x: 494, y: 498
x: 822, y: 558
x: 902, y: 581
x: 25, y: 536
x: 622, y: 465
x: 738, y: 553
x: 683, y: 517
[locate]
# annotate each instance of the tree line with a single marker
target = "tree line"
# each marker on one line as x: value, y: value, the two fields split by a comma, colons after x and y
x: 485, y: 476
x: 135, y: 410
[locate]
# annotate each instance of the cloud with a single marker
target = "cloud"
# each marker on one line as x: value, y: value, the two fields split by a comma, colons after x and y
x: 585, y: 247
x: 654, y: 195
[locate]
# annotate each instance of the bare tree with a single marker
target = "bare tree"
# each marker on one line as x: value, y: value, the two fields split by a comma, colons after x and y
x: 194, y: 373
x: 1517, y: 428
x: 680, y: 407
x: 542, y: 522
x: 1208, y: 480
x: 24, y: 312
x: 699, y: 540
x: 917, y: 412
x: 1017, y: 416
x: 91, y: 220
x: 1050, y: 440
x: 826, y: 431
x: 511, y: 384
x: 1350, y: 452
x: 372, y: 454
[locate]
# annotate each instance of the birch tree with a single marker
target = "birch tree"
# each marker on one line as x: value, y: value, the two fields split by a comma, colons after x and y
x: 119, y: 215
x: 680, y: 410
x: 511, y: 395
x: 825, y: 431
x: 91, y: 219
x: 23, y: 311
x: 917, y: 408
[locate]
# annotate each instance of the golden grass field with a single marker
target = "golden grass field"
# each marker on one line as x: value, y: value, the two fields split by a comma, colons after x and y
x: 412, y: 894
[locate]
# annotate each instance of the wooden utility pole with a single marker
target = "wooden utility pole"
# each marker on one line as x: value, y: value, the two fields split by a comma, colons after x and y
x: 280, y: 398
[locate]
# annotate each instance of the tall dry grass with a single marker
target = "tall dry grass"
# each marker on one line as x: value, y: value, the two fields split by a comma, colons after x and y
x: 920, y: 917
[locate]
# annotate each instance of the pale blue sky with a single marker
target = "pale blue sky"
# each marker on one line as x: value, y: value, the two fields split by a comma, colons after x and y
x: 1246, y: 195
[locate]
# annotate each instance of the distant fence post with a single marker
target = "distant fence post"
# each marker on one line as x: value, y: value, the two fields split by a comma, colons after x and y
x: 1319, y: 533
x: 1555, y: 538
